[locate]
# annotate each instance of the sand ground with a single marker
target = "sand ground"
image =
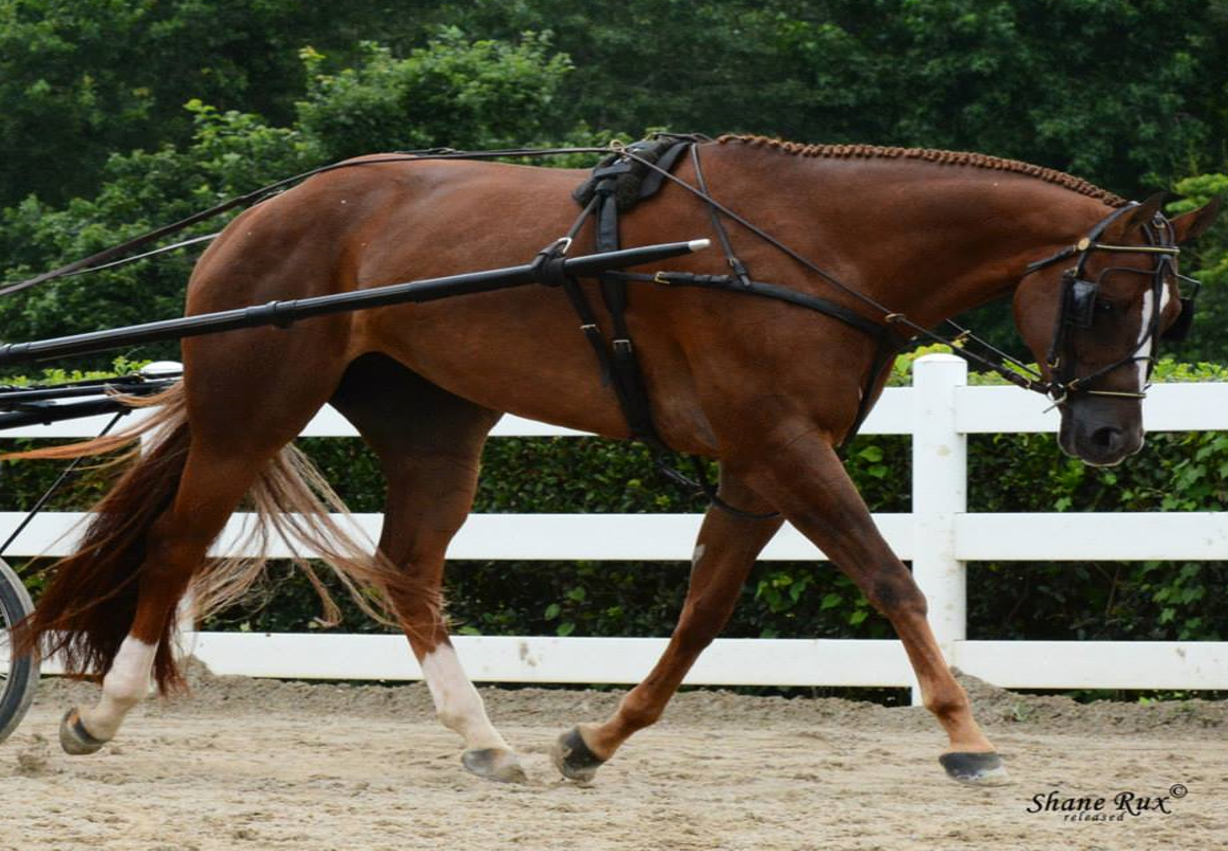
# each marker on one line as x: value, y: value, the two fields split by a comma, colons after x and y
x: 249, y: 764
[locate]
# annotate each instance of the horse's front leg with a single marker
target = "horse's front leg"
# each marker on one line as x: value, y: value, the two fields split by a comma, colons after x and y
x: 806, y: 480
x: 726, y: 550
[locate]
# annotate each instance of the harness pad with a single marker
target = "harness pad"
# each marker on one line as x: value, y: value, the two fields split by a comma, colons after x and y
x: 633, y: 181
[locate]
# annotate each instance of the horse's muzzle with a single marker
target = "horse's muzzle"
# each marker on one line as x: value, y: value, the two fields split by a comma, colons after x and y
x: 1101, y: 432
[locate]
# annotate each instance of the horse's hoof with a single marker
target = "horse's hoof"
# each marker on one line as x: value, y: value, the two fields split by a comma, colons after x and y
x: 502, y: 766
x: 572, y: 757
x: 74, y: 738
x: 977, y: 769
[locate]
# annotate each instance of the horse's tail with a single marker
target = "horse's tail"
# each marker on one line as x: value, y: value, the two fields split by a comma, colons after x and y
x: 90, y: 601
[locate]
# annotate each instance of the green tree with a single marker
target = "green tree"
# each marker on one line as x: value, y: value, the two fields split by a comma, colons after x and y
x: 1208, y: 340
x: 451, y: 90
x: 1125, y: 94
x: 82, y: 80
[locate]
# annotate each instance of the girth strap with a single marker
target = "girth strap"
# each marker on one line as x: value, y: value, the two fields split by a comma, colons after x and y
x: 618, y: 362
x: 624, y: 368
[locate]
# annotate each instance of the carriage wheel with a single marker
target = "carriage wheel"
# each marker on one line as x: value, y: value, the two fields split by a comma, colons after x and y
x: 18, y: 676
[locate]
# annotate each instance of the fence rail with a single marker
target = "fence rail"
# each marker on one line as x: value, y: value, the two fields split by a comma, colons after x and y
x: 939, y: 411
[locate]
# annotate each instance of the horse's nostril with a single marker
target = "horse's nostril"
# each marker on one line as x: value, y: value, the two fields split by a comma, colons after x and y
x: 1107, y: 438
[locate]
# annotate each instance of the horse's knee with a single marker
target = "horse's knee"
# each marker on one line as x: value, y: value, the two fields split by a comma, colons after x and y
x: 701, y: 621
x: 895, y: 593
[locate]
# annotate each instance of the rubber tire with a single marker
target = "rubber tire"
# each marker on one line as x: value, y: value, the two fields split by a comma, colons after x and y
x: 20, y: 681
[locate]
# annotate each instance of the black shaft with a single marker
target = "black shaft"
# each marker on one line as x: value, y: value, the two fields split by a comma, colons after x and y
x: 283, y: 313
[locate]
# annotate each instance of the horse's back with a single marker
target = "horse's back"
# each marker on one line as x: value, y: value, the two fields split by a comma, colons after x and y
x: 378, y: 222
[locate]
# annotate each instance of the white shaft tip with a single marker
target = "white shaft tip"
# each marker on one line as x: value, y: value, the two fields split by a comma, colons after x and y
x: 698, y: 244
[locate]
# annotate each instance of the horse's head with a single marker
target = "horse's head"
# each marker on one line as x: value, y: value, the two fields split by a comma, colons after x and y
x: 1094, y: 314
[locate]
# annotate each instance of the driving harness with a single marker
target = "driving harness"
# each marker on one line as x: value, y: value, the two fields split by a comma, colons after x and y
x: 637, y: 171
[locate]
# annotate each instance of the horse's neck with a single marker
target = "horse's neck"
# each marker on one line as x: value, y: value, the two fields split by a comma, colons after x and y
x: 927, y: 240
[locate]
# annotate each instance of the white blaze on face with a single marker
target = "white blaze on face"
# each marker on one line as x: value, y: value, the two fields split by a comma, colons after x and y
x: 124, y: 686
x: 1145, y: 343
x: 457, y: 702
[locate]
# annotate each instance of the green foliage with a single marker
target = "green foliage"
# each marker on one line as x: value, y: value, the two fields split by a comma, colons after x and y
x: 1209, y: 260
x: 80, y: 81
x: 1125, y: 94
x: 450, y: 92
x: 454, y: 93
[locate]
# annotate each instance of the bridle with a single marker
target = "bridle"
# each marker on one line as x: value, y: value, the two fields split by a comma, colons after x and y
x: 1081, y: 304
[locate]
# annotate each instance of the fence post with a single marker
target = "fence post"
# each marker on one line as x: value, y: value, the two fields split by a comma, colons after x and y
x: 939, y: 493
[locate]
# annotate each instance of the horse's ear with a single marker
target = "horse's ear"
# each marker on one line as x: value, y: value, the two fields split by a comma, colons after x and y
x: 1146, y: 211
x: 1194, y: 224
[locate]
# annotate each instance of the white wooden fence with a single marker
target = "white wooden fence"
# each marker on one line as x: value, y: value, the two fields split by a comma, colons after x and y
x: 940, y: 411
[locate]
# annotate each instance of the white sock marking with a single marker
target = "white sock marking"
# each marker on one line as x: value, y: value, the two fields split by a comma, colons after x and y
x: 124, y: 686
x: 457, y: 703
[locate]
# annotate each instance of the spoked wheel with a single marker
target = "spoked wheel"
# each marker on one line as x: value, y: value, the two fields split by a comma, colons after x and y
x: 18, y: 675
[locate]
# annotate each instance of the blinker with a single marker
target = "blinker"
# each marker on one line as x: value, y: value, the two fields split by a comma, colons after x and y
x: 1080, y: 302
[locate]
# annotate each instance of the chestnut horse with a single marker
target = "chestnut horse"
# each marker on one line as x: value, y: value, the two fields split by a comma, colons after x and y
x: 768, y: 389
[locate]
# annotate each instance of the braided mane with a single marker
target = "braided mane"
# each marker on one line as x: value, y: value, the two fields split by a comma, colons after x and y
x: 1049, y: 175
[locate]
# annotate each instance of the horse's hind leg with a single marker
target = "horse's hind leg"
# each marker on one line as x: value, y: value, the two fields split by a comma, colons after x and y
x: 724, y: 554
x: 429, y: 443
x: 201, y: 470
x: 211, y: 487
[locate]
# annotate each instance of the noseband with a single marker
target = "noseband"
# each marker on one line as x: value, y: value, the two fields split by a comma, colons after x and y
x: 1081, y: 303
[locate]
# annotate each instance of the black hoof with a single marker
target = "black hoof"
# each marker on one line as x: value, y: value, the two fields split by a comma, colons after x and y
x: 502, y: 766
x: 572, y: 757
x: 74, y: 738
x: 978, y: 769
